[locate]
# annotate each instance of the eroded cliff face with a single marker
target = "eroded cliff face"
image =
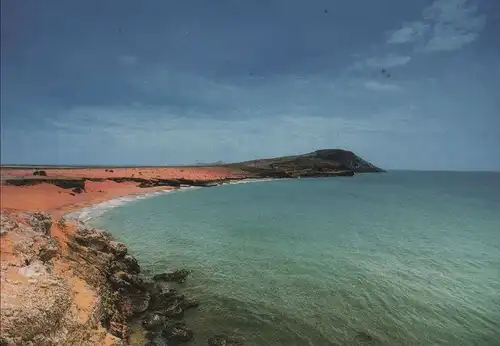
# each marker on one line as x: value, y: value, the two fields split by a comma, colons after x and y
x: 42, y: 301
x: 69, y: 284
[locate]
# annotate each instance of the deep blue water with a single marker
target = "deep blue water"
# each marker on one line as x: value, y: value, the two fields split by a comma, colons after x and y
x: 402, y: 258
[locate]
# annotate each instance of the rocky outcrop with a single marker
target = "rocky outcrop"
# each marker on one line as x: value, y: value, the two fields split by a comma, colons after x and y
x: 127, y: 292
x: 40, y: 304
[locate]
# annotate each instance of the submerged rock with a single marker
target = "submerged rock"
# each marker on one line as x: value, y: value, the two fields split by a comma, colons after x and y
x: 177, y: 331
x: 225, y: 340
x: 156, y: 339
x: 189, y: 302
x: 366, y: 338
x: 140, y: 302
x: 154, y: 321
x: 178, y: 276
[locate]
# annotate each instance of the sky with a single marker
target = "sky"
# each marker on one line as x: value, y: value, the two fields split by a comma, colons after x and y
x: 404, y: 84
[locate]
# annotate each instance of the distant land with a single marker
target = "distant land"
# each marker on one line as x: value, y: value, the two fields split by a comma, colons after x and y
x: 324, y: 162
x: 320, y: 163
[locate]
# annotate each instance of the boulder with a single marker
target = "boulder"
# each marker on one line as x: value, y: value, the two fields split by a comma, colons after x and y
x: 140, y: 301
x: 153, y: 321
x: 173, y: 311
x: 126, y: 282
x: 177, y: 331
x: 131, y: 264
x: 119, y: 249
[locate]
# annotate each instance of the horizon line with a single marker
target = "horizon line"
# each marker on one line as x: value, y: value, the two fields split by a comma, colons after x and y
x: 73, y: 166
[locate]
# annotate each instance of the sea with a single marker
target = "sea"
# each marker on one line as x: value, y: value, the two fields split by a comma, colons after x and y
x: 396, y: 258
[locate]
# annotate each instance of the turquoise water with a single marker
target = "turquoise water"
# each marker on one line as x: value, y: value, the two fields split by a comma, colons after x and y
x: 403, y: 258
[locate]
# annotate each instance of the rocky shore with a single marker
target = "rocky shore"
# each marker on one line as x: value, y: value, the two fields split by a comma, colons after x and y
x: 70, y: 284
x: 65, y: 283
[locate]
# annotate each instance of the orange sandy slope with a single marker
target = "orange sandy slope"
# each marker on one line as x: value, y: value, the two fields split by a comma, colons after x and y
x: 58, y: 201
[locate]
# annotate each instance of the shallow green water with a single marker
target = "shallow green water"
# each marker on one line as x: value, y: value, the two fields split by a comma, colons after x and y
x: 404, y: 258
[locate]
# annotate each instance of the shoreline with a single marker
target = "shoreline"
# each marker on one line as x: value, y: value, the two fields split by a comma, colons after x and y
x: 93, y: 209
x: 102, y: 285
x: 75, y: 263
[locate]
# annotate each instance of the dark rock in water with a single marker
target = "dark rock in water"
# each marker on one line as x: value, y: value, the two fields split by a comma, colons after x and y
x: 174, y: 311
x: 131, y: 264
x: 154, y: 321
x: 151, y: 286
x: 140, y: 301
x: 127, y: 263
x: 178, y: 276
x: 165, y: 299
x: 170, y: 306
x: 188, y: 302
x: 156, y: 339
x: 126, y: 282
x: 225, y: 340
x: 177, y: 331
x: 119, y: 249
x: 366, y: 338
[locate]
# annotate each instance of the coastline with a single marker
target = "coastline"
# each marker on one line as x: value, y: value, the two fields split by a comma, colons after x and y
x: 92, y: 209
x: 101, y: 283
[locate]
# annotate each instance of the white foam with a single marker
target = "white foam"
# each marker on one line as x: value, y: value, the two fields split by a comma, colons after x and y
x: 246, y: 181
x: 96, y: 210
